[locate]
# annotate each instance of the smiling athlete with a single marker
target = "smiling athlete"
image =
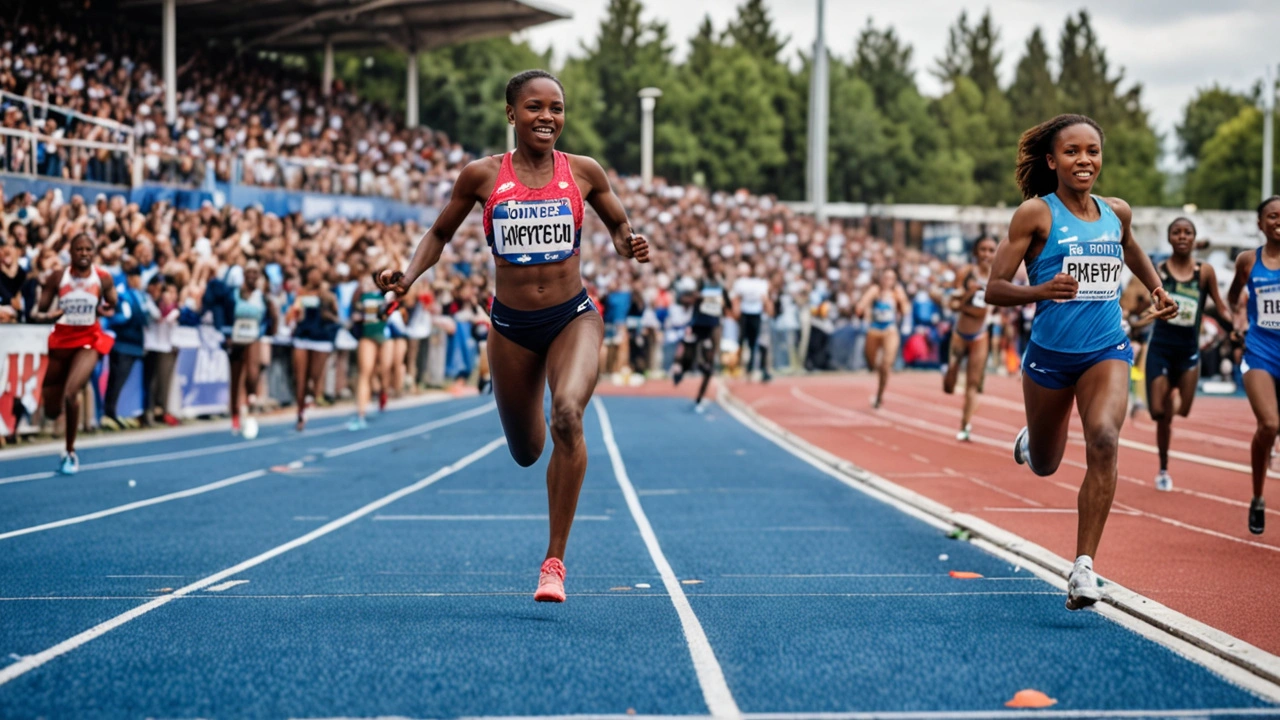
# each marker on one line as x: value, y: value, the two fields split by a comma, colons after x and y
x: 546, y: 330
x: 1075, y: 245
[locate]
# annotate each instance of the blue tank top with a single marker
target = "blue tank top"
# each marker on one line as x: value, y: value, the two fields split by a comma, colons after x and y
x: 884, y: 313
x: 251, y: 308
x: 1091, y: 253
x: 1263, y: 340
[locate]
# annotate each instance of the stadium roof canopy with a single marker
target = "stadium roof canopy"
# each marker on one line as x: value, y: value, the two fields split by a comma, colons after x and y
x: 311, y: 24
x: 299, y: 25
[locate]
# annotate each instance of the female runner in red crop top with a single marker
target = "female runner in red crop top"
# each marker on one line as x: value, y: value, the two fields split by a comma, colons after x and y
x: 545, y: 328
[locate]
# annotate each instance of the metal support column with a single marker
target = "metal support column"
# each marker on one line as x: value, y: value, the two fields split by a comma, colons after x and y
x: 170, y: 49
x: 818, y: 101
x: 327, y: 74
x: 648, y: 100
x: 411, y: 91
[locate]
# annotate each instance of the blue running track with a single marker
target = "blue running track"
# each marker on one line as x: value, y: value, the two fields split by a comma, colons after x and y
x: 390, y: 572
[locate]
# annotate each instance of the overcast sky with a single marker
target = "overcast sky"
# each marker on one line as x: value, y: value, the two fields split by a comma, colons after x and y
x: 1184, y: 45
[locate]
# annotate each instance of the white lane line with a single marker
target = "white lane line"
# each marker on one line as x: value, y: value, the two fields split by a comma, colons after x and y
x: 31, y: 662
x: 482, y: 517
x: 918, y: 715
x: 225, y: 586
x: 219, y: 484
x: 715, y: 691
x: 199, y: 490
x: 1059, y: 511
x: 179, y: 455
x: 415, y: 430
x: 145, y: 576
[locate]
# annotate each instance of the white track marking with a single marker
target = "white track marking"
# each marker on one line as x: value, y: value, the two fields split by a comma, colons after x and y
x: 31, y: 662
x: 715, y: 691
x: 221, y: 427
x: 225, y: 586
x: 1239, y: 662
x: 483, y: 517
x: 415, y: 430
x: 199, y: 490
x: 218, y: 485
x: 147, y: 459
x: 920, y: 715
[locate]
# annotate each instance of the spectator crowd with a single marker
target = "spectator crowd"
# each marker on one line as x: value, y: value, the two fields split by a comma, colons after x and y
x: 238, y: 117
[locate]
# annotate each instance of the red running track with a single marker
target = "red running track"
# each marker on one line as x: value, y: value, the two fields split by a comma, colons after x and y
x: 1189, y: 549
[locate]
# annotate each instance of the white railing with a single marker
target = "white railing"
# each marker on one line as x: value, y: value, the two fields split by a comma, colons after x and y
x: 49, y: 108
x: 29, y: 140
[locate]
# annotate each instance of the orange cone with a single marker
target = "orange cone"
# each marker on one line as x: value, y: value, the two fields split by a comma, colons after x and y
x: 965, y: 575
x: 1030, y: 699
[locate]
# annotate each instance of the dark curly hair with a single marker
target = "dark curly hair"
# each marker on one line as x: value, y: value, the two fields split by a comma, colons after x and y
x: 1265, y: 203
x: 1035, y: 178
x: 517, y: 83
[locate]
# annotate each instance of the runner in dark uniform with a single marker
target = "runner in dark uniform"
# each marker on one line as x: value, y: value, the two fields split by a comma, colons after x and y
x: 701, y: 341
x: 1173, y: 352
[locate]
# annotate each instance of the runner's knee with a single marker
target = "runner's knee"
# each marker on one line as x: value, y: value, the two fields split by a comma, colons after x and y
x: 1103, y: 443
x: 566, y: 420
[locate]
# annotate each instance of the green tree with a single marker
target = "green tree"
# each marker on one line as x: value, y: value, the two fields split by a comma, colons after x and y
x: 1230, y: 164
x: 1088, y: 86
x: 1210, y: 108
x: 628, y: 54
x: 738, y: 130
x: 884, y: 63
x: 753, y: 31
x: 972, y: 51
x: 1033, y: 97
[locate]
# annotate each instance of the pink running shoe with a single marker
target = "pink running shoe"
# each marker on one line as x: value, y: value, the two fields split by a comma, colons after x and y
x: 551, y: 582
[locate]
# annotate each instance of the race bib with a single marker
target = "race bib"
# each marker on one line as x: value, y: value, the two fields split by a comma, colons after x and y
x: 712, y: 303
x: 1187, y: 307
x: 533, y: 232
x: 1098, y: 276
x: 310, y: 302
x: 246, y: 331
x: 1268, y: 305
x: 80, y: 312
x: 980, y: 298
x: 882, y: 313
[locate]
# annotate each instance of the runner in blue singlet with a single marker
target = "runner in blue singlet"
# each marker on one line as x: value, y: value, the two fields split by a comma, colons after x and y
x: 883, y: 306
x: 1259, y: 271
x: 1075, y: 245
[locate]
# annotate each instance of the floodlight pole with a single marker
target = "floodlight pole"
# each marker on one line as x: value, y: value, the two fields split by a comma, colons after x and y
x: 648, y: 100
x: 169, y: 30
x: 327, y: 76
x: 1268, y: 131
x: 818, y: 102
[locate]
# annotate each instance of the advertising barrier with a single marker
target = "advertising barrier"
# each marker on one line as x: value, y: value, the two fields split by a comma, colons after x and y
x: 22, y: 367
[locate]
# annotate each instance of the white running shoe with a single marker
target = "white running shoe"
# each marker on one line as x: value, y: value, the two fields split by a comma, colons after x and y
x: 700, y: 407
x: 1021, y: 447
x: 250, y: 429
x: 1082, y: 586
x: 1164, y: 481
x: 963, y: 435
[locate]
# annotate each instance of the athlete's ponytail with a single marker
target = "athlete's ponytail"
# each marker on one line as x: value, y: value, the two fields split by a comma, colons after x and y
x: 1265, y: 203
x: 1035, y: 177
